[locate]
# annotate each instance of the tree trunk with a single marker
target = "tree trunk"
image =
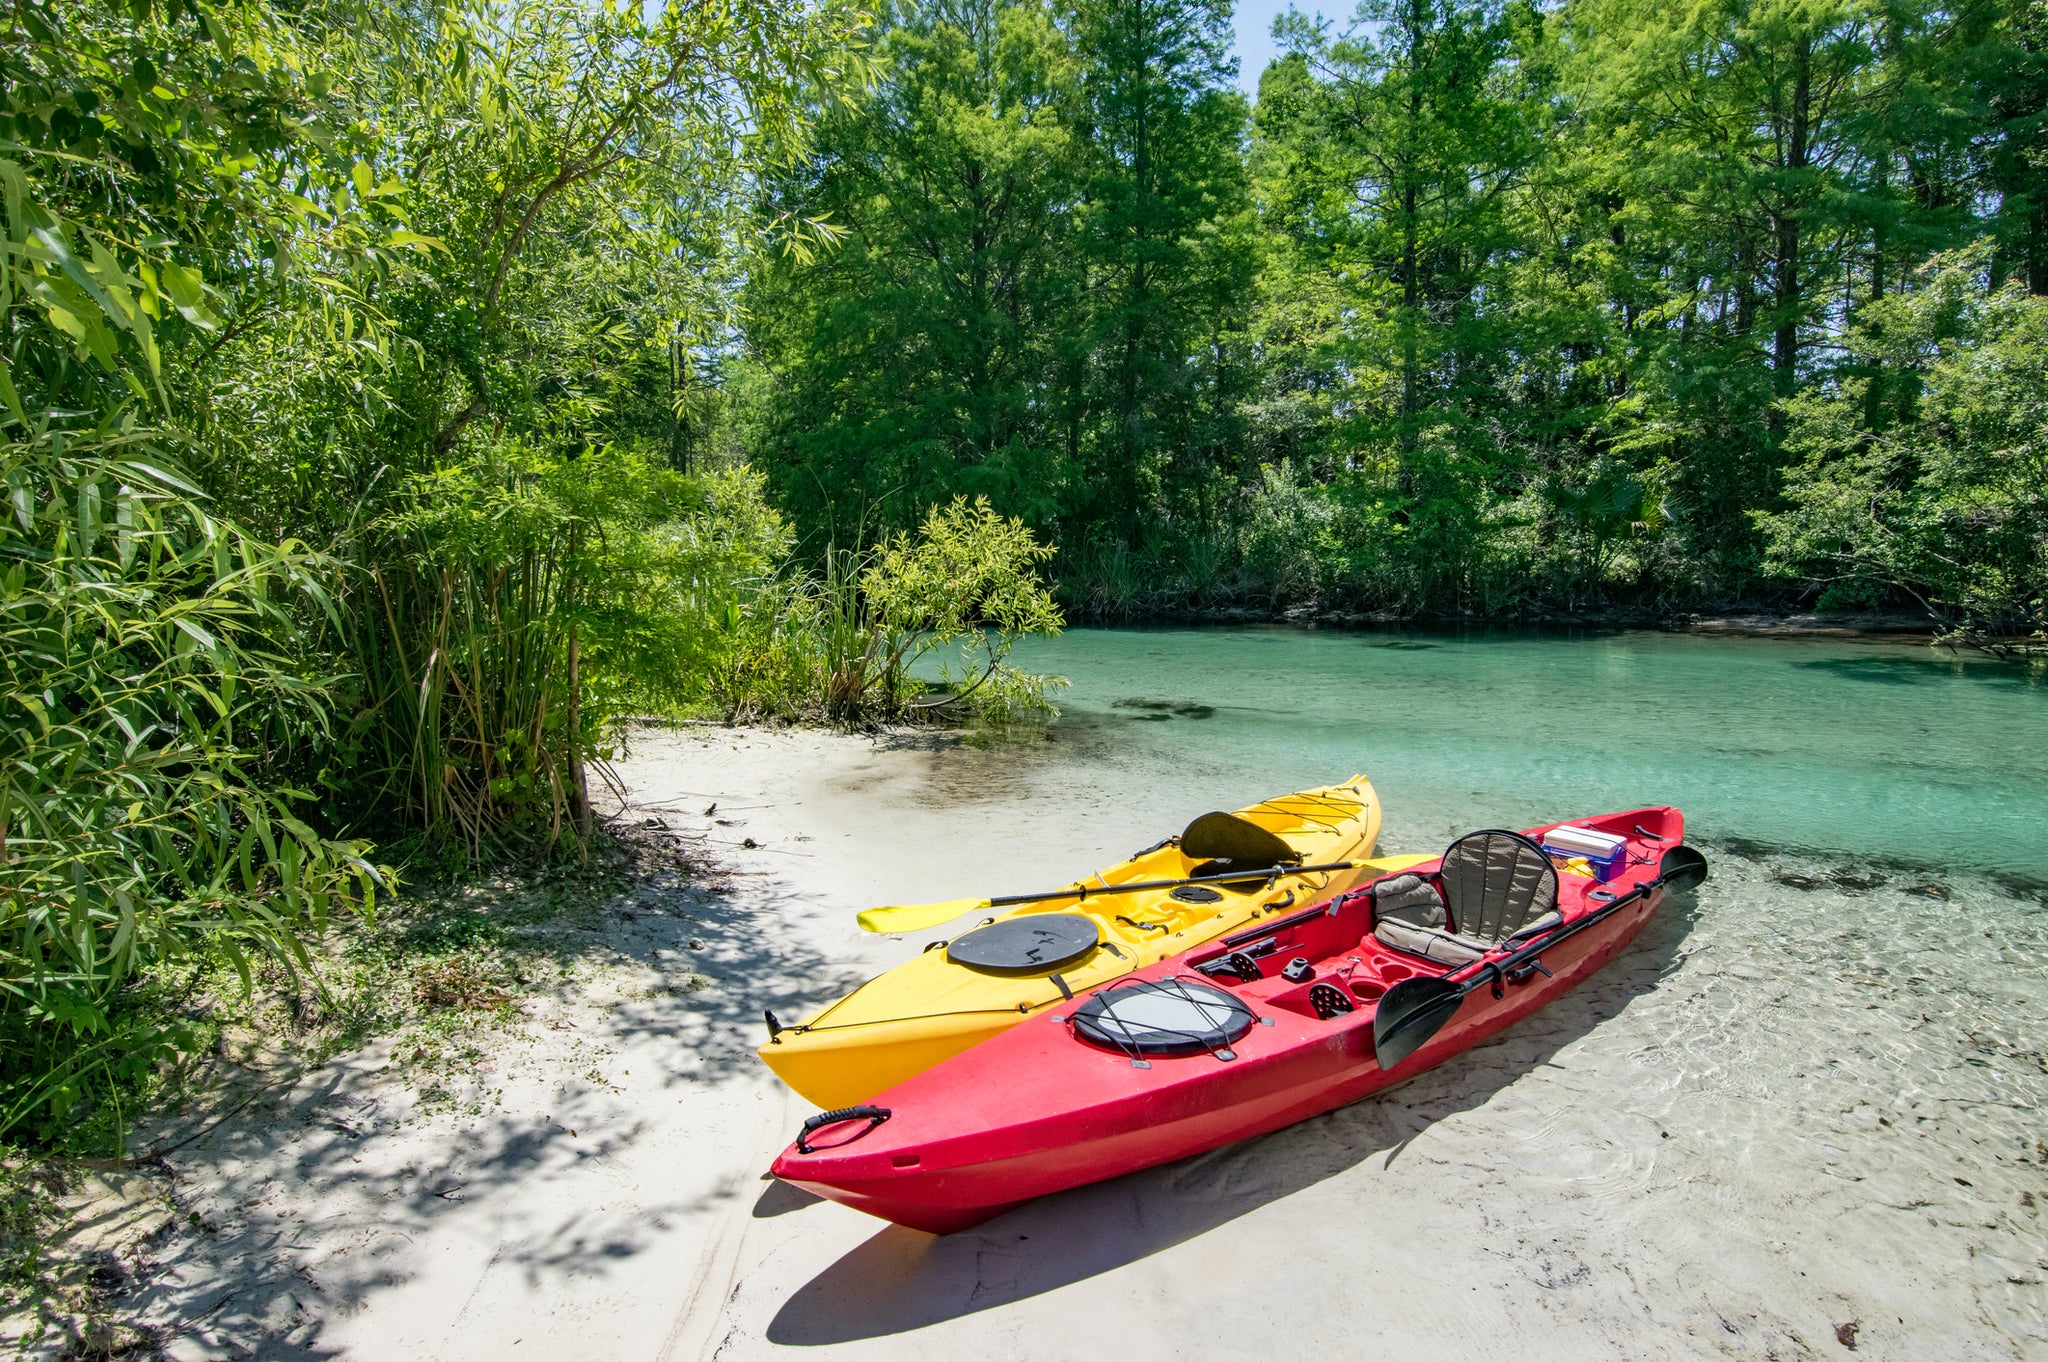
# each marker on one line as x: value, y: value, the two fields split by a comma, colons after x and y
x: 1411, y: 357
x: 1411, y: 283
x: 579, y: 787
x: 2037, y: 245
x: 1745, y: 283
x: 1618, y: 386
x: 1139, y: 298
x: 1785, y: 348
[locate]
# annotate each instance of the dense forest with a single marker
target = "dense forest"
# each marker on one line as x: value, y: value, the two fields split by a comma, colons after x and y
x: 396, y: 397
x: 1481, y: 308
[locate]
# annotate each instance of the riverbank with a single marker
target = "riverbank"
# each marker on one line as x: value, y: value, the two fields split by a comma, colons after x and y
x: 1761, y: 622
x: 1738, y: 1141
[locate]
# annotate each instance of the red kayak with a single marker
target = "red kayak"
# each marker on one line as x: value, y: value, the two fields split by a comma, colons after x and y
x: 1298, y: 1015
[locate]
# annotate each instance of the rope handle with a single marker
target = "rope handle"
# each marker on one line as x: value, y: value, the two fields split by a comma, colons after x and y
x: 874, y: 1116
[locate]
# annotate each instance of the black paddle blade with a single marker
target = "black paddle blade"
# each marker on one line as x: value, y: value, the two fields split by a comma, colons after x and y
x: 1682, y: 868
x: 1411, y: 1012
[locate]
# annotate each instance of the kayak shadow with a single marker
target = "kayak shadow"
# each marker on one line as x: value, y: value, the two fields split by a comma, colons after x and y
x: 901, y: 1279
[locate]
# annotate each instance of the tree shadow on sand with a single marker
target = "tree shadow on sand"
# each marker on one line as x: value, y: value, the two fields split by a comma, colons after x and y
x: 239, y: 1277
x: 293, y: 1215
x: 902, y: 1279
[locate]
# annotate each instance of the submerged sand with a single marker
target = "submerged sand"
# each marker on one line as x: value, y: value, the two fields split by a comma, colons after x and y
x: 1769, y: 1130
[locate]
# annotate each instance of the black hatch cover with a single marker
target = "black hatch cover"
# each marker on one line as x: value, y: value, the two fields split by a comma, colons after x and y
x: 1164, y: 1018
x: 1031, y: 944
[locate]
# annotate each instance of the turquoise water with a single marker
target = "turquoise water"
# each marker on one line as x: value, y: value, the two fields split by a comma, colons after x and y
x: 1893, y: 753
x: 1836, y: 1042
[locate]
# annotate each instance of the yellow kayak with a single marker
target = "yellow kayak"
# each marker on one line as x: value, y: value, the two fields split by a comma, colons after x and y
x: 959, y: 993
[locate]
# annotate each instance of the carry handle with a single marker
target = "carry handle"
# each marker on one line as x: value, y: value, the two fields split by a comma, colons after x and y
x: 874, y: 1116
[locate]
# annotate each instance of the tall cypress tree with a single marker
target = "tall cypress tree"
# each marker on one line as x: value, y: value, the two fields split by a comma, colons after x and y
x: 1165, y: 229
x: 2000, y: 65
x: 1741, y: 145
x: 1390, y: 153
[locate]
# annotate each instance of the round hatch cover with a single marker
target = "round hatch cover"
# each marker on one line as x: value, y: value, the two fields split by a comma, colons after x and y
x: 1166, y: 1017
x: 1030, y: 944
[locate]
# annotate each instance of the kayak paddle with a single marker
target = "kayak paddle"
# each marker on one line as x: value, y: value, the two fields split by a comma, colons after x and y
x: 1413, y: 1010
x: 912, y: 917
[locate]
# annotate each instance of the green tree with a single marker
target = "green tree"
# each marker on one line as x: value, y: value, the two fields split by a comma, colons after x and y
x: 918, y: 359
x: 1989, y: 80
x: 1168, y: 240
x: 1738, y: 152
x: 1943, y: 497
x: 1390, y: 154
x: 574, y: 176
x: 1406, y: 138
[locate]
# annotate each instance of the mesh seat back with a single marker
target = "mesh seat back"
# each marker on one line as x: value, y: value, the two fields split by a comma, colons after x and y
x: 1496, y: 883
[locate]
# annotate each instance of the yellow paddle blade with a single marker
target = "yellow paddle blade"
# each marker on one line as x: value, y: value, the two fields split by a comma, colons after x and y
x: 913, y: 917
x: 1389, y: 864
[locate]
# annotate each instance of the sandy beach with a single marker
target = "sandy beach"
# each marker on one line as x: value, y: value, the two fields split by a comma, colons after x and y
x: 1719, y: 1148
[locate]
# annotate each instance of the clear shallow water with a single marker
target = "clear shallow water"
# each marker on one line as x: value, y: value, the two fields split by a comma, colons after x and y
x: 1886, y: 752
x: 1811, y: 1094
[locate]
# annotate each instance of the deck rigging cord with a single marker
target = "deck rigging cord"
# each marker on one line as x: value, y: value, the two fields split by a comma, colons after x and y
x: 1225, y: 1019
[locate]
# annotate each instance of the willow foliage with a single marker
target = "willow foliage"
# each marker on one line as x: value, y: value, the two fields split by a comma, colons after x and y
x: 385, y: 281
x: 148, y: 674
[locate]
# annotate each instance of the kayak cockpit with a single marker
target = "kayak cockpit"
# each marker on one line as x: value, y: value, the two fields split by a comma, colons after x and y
x: 1491, y: 891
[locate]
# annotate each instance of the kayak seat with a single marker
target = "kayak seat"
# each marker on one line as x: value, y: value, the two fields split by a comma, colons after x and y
x: 1227, y: 837
x: 1250, y: 869
x: 1496, y: 885
x: 1409, y: 916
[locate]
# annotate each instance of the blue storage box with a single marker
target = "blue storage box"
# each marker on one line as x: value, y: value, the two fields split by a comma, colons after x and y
x: 1605, y: 867
x: 1584, y: 844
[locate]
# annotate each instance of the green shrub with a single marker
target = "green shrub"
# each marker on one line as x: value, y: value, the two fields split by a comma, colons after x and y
x: 1290, y: 536
x: 1926, y: 474
x: 847, y: 645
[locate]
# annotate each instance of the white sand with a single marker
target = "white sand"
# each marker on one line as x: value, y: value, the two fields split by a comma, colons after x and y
x: 1728, y: 1145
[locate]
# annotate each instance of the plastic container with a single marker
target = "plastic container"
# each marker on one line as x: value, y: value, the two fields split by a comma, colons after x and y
x: 1583, y: 842
x: 1606, y: 853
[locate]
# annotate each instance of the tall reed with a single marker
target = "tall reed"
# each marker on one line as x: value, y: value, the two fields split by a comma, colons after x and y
x: 147, y: 672
x: 513, y: 607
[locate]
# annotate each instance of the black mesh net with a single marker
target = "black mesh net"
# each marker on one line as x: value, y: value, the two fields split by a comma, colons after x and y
x: 1163, y: 1018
